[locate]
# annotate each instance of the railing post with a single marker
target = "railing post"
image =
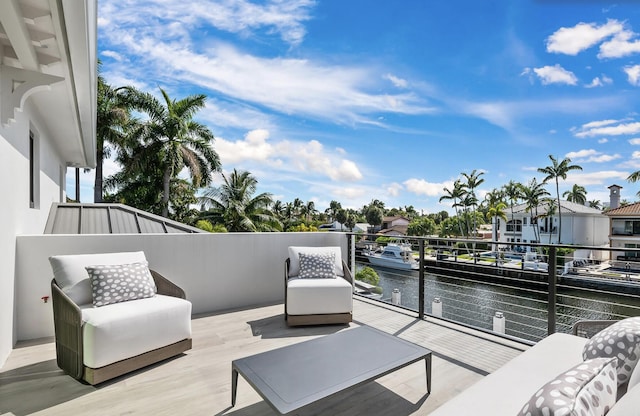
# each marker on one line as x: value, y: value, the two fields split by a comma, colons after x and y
x: 421, y: 279
x: 551, y: 306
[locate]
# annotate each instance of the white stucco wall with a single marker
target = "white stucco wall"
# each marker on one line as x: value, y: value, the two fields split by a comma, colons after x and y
x: 217, y: 271
x: 16, y: 216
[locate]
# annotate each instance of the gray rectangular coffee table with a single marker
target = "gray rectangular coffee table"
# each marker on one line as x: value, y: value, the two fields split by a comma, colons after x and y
x: 295, y: 376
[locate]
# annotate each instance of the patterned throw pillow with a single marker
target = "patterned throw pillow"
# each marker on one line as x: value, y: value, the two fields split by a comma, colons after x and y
x: 120, y: 283
x: 589, y: 388
x: 317, y: 265
x: 621, y: 340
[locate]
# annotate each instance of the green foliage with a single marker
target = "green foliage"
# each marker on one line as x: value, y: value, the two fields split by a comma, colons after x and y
x: 368, y: 275
x: 562, y: 254
x: 374, y: 216
x: 302, y: 227
x: 204, y: 225
x: 422, y: 226
x: 219, y: 228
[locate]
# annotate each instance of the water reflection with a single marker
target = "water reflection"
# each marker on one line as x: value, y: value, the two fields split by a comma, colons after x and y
x: 475, y: 303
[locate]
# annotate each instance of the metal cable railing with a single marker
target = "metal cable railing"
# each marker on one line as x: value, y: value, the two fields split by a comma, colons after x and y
x: 470, y: 287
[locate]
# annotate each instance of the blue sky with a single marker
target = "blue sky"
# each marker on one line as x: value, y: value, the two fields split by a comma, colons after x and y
x: 365, y: 99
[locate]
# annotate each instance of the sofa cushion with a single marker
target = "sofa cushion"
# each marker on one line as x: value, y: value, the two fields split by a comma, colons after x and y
x: 294, y: 258
x: 588, y: 388
x: 628, y: 404
x: 504, y: 392
x: 72, y: 277
x: 621, y: 340
x: 120, y: 283
x: 126, y: 329
x: 317, y: 265
x: 319, y: 296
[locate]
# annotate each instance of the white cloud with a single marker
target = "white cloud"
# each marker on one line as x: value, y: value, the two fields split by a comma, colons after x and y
x: 555, y: 75
x: 595, y: 178
x: 635, y: 155
x: 603, y: 140
x: 283, y: 18
x: 633, y: 74
x: 288, y: 156
x: 599, y: 82
x: 620, y: 46
x: 581, y: 154
x: 113, y: 55
x: 608, y: 130
x: 600, y: 123
x: 635, y: 141
x: 394, y: 189
x: 591, y: 155
x: 340, y: 93
x: 398, y: 82
x: 573, y: 40
x: 422, y: 187
x: 253, y: 147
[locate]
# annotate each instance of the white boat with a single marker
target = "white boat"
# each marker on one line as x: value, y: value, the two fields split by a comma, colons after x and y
x: 394, y: 256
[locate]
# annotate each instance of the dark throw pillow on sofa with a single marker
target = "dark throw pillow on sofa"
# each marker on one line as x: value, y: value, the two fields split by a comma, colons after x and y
x: 120, y: 283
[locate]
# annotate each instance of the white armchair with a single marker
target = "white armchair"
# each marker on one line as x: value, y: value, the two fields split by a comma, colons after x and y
x: 318, y: 287
x: 113, y: 315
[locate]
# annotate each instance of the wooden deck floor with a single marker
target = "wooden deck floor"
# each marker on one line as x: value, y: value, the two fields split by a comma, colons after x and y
x: 199, y: 382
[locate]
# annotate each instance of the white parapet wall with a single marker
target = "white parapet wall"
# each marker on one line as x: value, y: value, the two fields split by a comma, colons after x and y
x: 217, y: 271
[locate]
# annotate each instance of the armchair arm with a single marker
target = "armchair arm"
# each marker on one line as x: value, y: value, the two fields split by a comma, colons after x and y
x: 589, y: 328
x: 347, y: 273
x: 67, y: 320
x: 166, y: 287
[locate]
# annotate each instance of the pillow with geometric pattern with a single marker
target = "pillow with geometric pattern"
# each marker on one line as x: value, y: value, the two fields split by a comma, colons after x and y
x: 621, y: 340
x: 120, y: 283
x: 317, y: 265
x: 589, y: 388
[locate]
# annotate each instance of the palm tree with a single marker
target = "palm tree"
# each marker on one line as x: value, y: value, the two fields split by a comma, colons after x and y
x: 112, y: 120
x: 234, y: 205
x: 555, y: 171
x: 495, y: 211
x: 454, y: 195
x: 533, y: 194
x: 549, y: 213
x: 577, y: 194
x: 473, y: 181
x: 633, y: 178
x: 492, y: 199
x: 513, y: 191
x: 595, y: 203
x: 310, y: 210
x: 334, y: 206
x: 180, y: 142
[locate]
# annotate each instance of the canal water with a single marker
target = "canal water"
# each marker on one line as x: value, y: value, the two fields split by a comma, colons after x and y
x: 475, y: 303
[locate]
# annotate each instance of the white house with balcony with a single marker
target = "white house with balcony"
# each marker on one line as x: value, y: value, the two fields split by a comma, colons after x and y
x: 625, y: 231
x: 581, y: 225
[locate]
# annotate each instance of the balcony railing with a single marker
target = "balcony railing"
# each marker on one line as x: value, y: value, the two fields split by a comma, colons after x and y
x: 530, y: 290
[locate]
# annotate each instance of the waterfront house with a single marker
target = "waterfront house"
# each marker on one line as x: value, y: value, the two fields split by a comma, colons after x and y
x: 581, y: 225
x: 624, y: 228
x: 395, y: 226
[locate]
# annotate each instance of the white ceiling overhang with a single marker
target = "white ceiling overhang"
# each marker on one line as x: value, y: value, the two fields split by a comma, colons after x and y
x: 48, y: 56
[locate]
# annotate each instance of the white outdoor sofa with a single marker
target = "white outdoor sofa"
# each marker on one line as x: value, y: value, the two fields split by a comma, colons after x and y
x: 97, y: 343
x: 508, y: 389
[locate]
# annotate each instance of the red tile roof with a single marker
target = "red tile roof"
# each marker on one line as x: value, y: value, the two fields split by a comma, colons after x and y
x: 631, y: 209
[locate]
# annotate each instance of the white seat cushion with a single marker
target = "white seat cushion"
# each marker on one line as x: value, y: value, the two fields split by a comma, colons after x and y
x: 123, y: 330
x: 505, y: 391
x: 319, y: 296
